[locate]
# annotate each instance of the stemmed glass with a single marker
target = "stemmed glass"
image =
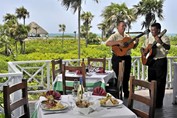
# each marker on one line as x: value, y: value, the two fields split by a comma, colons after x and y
x: 75, y: 85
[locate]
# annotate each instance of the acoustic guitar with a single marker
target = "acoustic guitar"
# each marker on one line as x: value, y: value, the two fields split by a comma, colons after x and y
x: 128, y: 44
x: 150, y: 51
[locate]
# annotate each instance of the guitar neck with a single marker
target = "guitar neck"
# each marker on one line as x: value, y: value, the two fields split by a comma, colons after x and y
x: 138, y: 36
x: 154, y: 43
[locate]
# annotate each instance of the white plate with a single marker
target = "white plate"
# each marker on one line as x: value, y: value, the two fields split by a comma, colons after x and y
x: 43, y: 106
x: 119, y: 103
x: 88, y: 74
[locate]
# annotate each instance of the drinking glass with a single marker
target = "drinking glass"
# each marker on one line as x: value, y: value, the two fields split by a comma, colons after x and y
x: 75, y: 84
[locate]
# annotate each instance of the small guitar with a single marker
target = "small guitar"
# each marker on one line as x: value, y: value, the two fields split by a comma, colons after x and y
x: 150, y: 52
x: 128, y: 42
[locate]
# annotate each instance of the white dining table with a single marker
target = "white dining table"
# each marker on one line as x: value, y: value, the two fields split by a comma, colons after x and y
x: 120, y: 111
x: 91, y: 78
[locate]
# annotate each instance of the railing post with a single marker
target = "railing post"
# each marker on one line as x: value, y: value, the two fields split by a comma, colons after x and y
x: 48, y: 75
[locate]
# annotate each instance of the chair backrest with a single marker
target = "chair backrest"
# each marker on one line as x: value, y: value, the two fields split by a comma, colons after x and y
x: 8, y: 106
x: 56, y: 67
x: 150, y: 100
x: 97, y: 60
x: 72, y: 78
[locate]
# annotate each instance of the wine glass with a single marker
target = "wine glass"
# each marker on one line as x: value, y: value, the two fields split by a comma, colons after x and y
x: 75, y: 84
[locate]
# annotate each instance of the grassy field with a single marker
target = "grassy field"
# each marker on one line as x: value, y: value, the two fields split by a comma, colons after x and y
x: 47, y: 49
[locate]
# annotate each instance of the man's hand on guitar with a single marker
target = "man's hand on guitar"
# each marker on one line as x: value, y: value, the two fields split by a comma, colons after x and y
x: 121, y: 44
x: 158, y: 40
x: 142, y: 51
x: 125, y: 44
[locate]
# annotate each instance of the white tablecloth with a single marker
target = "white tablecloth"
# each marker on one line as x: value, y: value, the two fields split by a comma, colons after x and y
x: 91, y: 77
x: 101, y: 112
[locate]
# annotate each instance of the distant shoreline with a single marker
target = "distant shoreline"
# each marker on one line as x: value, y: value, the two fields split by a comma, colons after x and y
x: 72, y: 34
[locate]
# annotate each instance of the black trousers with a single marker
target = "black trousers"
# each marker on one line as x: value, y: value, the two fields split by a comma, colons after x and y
x: 115, y: 66
x: 158, y: 71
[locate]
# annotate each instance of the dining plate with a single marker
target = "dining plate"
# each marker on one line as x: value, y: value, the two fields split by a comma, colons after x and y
x: 113, y: 105
x: 98, y: 73
x: 88, y: 74
x: 59, y: 107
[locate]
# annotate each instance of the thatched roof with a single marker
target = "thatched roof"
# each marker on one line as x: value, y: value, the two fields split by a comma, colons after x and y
x: 36, y: 30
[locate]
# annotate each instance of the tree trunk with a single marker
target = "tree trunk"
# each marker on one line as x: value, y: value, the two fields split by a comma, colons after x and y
x: 16, y: 47
x: 86, y: 41
x: 21, y: 44
x: 62, y: 39
x: 102, y: 34
x: 24, y: 47
x: 23, y: 21
x: 79, y: 12
x: 6, y: 51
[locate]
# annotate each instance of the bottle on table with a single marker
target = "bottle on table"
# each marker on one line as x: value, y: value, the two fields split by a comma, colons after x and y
x: 80, y: 90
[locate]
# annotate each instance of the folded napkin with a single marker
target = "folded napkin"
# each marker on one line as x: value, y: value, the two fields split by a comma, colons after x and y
x: 99, y: 91
x: 56, y: 95
x: 89, y: 109
x: 100, y: 70
x: 78, y: 72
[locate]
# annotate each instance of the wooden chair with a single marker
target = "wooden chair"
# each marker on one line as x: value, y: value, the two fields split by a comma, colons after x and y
x: 116, y: 88
x: 71, y: 79
x: 56, y: 67
x: 96, y: 61
x: 150, y: 100
x: 9, y: 107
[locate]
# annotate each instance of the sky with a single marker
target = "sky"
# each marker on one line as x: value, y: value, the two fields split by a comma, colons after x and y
x: 50, y: 13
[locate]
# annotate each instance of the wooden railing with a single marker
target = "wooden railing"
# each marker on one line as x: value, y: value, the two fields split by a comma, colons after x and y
x: 38, y: 73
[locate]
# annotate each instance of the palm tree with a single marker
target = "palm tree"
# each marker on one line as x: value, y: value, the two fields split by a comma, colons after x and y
x: 150, y: 9
x: 11, y: 25
x: 20, y: 34
x: 76, y: 5
x: 74, y: 34
x: 62, y: 29
x: 130, y: 17
x: 22, y: 13
x: 10, y: 17
x: 87, y: 18
x: 5, y: 40
x: 117, y: 12
x: 102, y: 27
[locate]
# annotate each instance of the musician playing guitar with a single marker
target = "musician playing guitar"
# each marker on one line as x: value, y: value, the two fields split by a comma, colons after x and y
x: 157, y: 68
x: 116, y: 40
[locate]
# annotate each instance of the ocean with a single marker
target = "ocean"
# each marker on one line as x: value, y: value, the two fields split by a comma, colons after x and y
x: 72, y: 34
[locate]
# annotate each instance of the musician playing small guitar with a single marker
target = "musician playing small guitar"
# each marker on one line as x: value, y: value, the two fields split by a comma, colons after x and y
x: 116, y: 40
x: 157, y: 68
